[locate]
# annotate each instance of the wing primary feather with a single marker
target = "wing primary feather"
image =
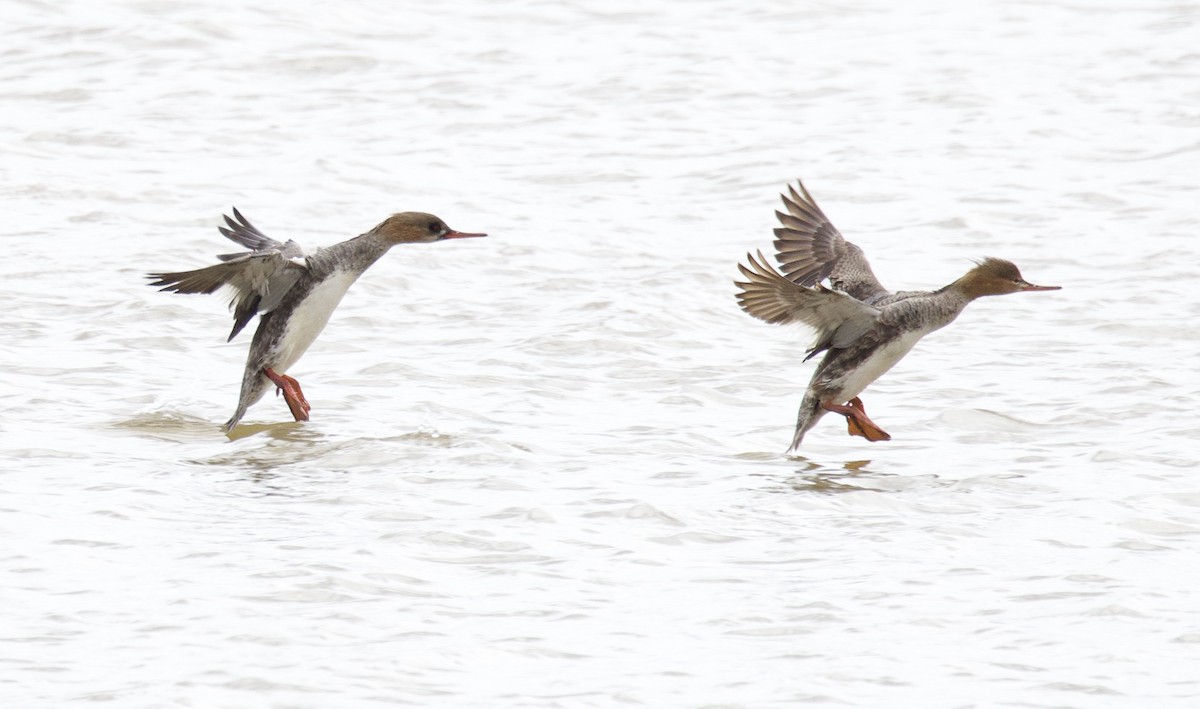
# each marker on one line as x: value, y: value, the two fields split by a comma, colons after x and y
x: 239, y: 230
x: 245, y: 311
x: 260, y: 278
x: 837, y: 318
x: 810, y: 249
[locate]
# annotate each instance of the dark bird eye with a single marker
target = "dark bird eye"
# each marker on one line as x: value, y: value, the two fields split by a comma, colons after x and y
x: 434, y: 227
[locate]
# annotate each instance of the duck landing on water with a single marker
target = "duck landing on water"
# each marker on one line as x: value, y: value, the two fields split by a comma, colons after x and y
x: 862, y: 328
x: 293, y: 293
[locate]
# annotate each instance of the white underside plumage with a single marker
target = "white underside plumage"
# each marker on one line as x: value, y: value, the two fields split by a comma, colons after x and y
x: 851, y: 383
x: 310, y: 317
x: 856, y: 380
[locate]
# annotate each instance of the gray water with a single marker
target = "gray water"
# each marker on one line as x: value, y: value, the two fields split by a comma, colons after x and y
x: 545, y: 468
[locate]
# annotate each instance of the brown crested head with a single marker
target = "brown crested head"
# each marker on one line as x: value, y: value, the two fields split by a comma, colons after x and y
x: 417, y: 227
x: 995, y: 276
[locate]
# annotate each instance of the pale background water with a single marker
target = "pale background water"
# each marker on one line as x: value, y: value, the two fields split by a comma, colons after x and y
x: 545, y: 468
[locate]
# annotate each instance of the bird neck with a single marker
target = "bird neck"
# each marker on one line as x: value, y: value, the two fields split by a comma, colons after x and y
x: 355, y: 255
x: 967, y: 288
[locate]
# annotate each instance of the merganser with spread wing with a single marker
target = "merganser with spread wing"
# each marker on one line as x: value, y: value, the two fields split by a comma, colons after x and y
x: 293, y: 292
x: 862, y: 328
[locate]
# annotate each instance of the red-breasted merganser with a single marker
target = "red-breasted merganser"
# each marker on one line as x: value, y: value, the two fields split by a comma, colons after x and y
x: 863, y: 328
x: 293, y: 292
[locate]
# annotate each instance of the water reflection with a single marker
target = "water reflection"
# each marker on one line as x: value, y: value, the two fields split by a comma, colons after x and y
x: 851, y: 476
x: 169, y: 426
x: 283, y: 431
x: 826, y: 477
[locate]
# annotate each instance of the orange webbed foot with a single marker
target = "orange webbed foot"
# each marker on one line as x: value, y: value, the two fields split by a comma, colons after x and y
x: 857, y: 421
x: 292, y: 393
x: 299, y: 395
x: 866, y: 429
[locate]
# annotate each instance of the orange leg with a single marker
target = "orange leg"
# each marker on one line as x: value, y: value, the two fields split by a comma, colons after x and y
x: 857, y: 422
x: 291, y: 393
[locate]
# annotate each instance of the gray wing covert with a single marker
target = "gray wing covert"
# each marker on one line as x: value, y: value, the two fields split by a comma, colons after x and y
x: 839, y: 320
x: 259, y: 278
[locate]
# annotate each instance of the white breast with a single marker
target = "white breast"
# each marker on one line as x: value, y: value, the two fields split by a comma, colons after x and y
x: 874, y: 367
x: 309, y: 318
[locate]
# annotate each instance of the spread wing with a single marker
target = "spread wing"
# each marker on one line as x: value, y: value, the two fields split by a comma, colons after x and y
x: 810, y: 249
x: 242, y: 232
x: 838, y: 318
x: 260, y: 278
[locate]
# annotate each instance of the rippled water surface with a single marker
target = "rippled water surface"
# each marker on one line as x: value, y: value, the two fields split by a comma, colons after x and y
x: 545, y: 468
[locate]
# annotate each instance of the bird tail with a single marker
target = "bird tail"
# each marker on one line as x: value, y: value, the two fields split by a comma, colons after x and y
x: 233, y: 421
x: 810, y: 413
x: 254, y: 386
